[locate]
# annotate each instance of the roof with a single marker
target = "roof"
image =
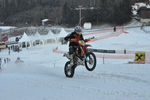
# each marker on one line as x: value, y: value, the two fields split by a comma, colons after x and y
x: 24, y: 38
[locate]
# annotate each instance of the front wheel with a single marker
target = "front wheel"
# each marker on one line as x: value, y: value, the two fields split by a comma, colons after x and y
x: 90, y: 62
x: 69, y: 69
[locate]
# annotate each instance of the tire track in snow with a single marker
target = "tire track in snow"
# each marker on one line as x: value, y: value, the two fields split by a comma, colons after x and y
x: 45, y: 82
x: 98, y: 75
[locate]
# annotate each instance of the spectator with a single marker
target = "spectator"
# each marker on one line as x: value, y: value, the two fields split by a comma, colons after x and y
x: 9, y: 50
x: 17, y: 39
x: 114, y: 28
x: 5, y: 61
x: 18, y: 60
x: 8, y: 60
x: 0, y: 63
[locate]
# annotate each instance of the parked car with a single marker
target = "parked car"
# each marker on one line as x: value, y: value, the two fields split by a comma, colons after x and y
x: 3, y: 45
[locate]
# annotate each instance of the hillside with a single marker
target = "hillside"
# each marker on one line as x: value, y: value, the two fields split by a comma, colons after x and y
x: 31, y: 12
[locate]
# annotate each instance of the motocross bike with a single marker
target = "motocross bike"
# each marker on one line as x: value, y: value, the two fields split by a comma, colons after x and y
x: 84, y: 57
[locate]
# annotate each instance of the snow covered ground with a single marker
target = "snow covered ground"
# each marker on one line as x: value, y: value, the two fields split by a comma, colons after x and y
x: 41, y: 76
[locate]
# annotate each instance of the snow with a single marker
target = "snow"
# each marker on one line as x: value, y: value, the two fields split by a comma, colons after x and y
x: 41, y: 76
x: 6, y: 27
x: 134, y: 40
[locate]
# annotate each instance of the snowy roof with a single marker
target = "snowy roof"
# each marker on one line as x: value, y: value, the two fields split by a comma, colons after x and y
x: 62, y: 33
x: 24, y: 38
x: 51, y: 34
x: 32, y: 37
x: 37, y: 35
x: 44, y: 20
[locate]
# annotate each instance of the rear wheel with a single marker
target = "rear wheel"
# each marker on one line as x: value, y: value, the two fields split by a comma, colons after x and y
x: 90, y: 62
x: 69, y: 69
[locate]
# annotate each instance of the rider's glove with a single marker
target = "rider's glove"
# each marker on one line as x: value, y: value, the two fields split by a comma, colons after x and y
x: 73, y: 40
x: 86, y: 40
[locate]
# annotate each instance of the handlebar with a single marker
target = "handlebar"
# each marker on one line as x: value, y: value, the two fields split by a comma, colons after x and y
x: 75, y: 40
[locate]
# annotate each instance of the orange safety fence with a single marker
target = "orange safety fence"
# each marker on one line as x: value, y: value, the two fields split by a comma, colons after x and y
x: 107, y: 56
x: 147, y: 58
x: 98, y: 32
x: 106, y: 36
x: 106, y: 30
x: 129, y: 54
x: 115, y: 56
x: 101, y: 55
x: 125, y: 51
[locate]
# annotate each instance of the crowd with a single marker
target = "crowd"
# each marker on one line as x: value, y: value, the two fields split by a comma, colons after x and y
x: 4, y: 61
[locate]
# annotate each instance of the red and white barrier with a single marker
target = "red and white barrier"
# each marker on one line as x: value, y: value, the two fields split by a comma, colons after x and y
x: 126, y: 54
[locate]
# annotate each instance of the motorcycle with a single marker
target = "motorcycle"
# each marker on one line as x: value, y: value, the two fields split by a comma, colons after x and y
x: 82, y: 56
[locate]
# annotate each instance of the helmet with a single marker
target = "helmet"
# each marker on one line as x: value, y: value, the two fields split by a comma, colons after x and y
x: 78, y: 29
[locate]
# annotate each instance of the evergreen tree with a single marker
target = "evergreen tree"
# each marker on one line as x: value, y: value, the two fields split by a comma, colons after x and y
x: 122, y: 12
x: 69, y: 16
x: 32, y: 11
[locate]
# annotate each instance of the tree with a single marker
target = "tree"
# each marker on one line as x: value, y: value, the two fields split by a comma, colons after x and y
x: 69, y: 16
x: 63, y: 11
x: 122, y: 12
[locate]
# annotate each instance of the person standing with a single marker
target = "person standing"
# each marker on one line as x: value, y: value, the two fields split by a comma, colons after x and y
x: 114, y: 28
x: 0, y: 63
x: 18, y: 60
x: 9, y: 50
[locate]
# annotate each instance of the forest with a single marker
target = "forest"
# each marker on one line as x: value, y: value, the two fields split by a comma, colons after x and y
x: 64, y: 12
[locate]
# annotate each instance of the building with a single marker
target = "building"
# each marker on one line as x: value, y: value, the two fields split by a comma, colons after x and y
x: 143, y: 1
x: 144, y: 14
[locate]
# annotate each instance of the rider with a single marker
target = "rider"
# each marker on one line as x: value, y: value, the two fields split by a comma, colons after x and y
x: 73, y: 38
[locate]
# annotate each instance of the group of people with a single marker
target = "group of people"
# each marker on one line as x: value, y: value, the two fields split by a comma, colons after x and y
x: 14, y: 48
x: 4, y: 61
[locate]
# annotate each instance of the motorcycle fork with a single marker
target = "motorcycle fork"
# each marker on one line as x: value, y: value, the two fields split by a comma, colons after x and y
x: 83, y: 52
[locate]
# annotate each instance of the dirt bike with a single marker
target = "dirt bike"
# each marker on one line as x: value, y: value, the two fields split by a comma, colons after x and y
x: 84, y: 57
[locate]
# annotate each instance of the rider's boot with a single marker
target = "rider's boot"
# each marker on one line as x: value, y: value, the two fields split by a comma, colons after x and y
x: 68, y: 55
x: 71, y: 59
x: 75, y: 60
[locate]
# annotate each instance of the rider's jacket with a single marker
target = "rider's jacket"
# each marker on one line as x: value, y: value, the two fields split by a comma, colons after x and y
x: 73, y: 35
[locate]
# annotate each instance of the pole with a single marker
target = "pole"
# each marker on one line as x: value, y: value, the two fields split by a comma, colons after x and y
x: 80, y: 15
x: 103, y: 59
x: 80, y: 8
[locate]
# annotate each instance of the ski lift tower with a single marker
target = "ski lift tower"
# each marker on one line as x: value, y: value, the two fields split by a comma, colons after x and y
x: 80, y: 13
x: 80, y: 8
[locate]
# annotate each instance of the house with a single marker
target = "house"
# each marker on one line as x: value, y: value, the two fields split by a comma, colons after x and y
x: 46, y: 22
x: 144, y: 14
